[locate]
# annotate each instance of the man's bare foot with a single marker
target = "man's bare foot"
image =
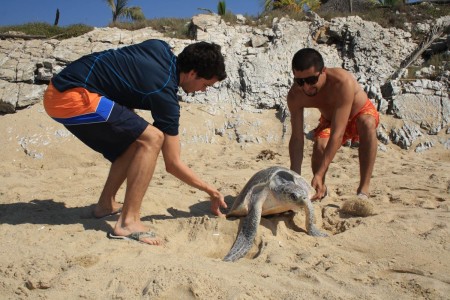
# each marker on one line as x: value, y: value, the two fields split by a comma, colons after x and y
x: 363, y: 196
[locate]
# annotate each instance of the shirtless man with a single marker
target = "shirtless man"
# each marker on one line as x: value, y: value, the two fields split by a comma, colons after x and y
x: 346, y: 113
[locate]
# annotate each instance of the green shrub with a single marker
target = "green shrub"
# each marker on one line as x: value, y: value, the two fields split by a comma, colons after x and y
x: 221, y: 8
x: 397, y: 15
x: 170, y: 27
x: 46, y: 30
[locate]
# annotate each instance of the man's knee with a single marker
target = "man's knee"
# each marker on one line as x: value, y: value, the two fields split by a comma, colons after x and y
x: 366, y: 124
x: 319, y: 145
x: 151, y: 136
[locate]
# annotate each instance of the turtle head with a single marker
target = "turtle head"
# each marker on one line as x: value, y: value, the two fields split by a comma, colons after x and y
x: 289, y: 187
x: 293, y: 193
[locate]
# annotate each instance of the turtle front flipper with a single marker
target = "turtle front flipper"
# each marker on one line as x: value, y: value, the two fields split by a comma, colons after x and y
x: 247, y: 233
x: 310, y: 226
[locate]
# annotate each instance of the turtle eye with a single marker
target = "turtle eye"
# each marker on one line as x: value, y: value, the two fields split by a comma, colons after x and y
x: 293, y: 196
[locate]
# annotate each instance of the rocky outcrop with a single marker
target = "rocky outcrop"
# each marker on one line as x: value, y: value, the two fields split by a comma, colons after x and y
x: 258, y: 65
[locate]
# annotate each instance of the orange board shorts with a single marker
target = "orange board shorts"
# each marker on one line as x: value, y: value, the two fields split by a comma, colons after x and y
x: 105, y: 126
x: 71, y: 103
x: 323, y: 130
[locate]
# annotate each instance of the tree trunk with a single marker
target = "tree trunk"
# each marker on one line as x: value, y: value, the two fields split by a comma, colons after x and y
x: 56, y: 18
x: 350, y: 2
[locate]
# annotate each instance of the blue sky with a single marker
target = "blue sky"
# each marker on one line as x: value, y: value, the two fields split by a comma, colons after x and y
x: 97, y: 12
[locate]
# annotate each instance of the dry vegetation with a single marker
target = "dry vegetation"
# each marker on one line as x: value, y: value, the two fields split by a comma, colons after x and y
x: 387, y: 16
x: 46, y: 30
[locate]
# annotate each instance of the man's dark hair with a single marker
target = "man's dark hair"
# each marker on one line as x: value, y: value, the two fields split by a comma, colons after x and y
x: 204, y: 58
x: 307, y: 58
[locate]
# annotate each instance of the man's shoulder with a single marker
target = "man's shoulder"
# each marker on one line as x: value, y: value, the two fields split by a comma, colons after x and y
x: 292, y: 94
x: 295, y: 98
x: 340, y: 75
x: 340, y: 79
x: 153, y: 54
x: 339, y: 71
x: 155, y: 44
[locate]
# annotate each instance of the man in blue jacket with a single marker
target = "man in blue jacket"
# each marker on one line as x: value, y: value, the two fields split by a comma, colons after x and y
x: 94, y: 98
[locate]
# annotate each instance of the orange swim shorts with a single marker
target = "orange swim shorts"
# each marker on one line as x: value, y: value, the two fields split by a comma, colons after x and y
x: 71, y: 103
x: 323, y: 130
x: 105, y: 126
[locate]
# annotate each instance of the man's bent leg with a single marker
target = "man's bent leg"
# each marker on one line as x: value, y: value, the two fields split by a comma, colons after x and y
x: 143, y: 154
x: 367, y: 151
x: 107, y: 203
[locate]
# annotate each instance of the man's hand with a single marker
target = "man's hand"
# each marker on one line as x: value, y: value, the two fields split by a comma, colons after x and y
x: 217, y: 201
x: 321, y: 189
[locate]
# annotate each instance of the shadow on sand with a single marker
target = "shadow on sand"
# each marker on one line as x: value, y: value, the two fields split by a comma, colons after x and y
x: 50, y: 212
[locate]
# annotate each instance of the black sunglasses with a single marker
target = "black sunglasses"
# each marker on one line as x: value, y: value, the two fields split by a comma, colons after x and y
x: 309, y: 80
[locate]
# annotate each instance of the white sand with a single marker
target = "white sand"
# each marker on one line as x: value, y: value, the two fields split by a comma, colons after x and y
x: 52, y: 249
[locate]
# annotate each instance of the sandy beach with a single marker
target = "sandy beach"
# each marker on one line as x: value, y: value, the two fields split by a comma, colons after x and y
x: 52, y: 248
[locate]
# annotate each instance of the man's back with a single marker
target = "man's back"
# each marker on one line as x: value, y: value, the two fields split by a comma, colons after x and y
x: 129, y: 75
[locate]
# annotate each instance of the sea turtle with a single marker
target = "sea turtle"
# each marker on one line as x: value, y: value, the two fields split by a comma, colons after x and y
x: 270, y: 191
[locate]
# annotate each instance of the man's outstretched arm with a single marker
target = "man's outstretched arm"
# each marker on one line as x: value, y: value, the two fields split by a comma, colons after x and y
x: 174, y: 165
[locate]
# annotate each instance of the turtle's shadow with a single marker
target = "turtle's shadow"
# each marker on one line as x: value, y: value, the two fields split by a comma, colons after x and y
x: 271, y: 222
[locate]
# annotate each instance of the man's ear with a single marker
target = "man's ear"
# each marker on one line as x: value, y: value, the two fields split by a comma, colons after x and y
x: 192, y: 74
